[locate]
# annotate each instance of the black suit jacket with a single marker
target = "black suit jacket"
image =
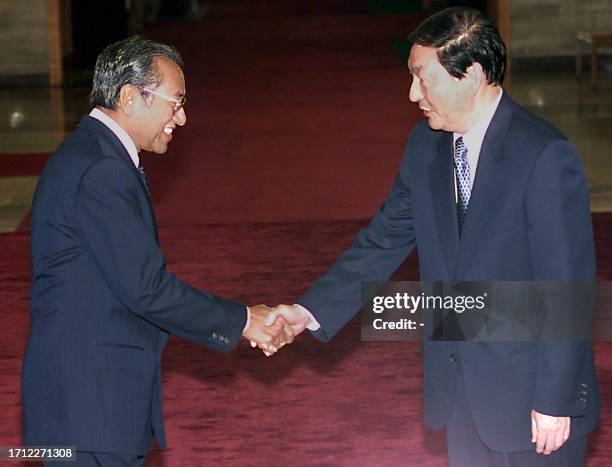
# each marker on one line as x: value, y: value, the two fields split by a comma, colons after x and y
x: 102, y: 303
x: 528, y: 220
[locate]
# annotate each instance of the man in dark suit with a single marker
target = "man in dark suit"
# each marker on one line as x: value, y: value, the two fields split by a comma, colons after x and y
x: 102, y: 303
x: 486, y: 191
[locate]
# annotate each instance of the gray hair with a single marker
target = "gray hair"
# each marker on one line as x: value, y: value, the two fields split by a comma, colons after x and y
x: 129, y: 61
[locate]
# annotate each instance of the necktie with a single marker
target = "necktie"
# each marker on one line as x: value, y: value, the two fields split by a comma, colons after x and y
x: 462, y: 170
x: 141, y: 171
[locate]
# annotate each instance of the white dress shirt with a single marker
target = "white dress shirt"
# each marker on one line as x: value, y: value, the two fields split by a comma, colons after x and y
x: 119, y: 132
x: 474, y: 137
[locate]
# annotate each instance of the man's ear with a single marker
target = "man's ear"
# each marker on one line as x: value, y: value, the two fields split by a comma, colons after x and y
x: 127, y: 99
x: 475, y: 76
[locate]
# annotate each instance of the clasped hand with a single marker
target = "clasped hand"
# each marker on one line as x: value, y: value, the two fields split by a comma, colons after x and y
x: 272, y: 328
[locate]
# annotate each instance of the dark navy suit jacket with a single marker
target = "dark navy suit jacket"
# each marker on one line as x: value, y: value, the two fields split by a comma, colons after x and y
x: 528, y: 220
x: 102, y: 303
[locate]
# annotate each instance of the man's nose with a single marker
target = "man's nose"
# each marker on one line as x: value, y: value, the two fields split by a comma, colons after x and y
x: 180, y: 117
x: 415, y: 93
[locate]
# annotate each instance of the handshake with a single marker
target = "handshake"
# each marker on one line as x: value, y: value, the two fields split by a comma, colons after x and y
x: 272, y: 328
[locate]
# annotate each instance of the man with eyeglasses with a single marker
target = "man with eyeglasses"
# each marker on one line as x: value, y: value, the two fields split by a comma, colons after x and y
x: 102, y: 303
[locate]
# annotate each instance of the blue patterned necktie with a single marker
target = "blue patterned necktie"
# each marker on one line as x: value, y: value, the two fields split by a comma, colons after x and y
x: 462, y: 170
x: 141, y: 171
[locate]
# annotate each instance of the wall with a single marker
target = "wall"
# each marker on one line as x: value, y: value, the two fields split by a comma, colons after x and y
x: 24, y: 36
x: 547, y: 28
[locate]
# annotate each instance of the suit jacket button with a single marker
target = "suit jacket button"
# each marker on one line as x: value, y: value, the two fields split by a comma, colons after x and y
x: 227, y: 340
x: 453, y: 357
x: 214, y: 335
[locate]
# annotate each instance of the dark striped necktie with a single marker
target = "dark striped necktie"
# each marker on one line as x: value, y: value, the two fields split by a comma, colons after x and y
x: 143, y: 175
x: 462, y: 171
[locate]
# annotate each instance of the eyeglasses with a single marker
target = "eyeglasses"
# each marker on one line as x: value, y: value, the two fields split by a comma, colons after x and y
x: 177, y: 104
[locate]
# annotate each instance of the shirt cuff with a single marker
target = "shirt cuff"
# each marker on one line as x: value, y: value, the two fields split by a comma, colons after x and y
x: 248, y: 321
x: 313, y: 325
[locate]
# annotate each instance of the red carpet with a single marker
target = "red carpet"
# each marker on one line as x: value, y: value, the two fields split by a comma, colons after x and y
x: 17, y: 165
x: 289, y: 118
x: 296, y: 125
x: 344, y: 403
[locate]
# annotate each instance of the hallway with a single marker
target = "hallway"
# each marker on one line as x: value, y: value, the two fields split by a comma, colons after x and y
x: 296, y: 126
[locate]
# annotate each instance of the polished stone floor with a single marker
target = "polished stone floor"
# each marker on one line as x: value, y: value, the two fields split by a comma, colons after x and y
x: 37, y: 120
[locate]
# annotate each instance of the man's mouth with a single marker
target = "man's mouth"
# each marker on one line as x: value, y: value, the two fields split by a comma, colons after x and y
x: 168, y: 130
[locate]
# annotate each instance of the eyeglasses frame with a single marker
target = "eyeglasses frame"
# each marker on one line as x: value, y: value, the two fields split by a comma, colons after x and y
x: 178, y: 103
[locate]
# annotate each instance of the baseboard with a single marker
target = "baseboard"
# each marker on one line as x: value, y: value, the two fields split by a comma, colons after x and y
x: 20, y: 81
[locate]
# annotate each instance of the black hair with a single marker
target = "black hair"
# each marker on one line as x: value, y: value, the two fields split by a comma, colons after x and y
x: 463, y: 36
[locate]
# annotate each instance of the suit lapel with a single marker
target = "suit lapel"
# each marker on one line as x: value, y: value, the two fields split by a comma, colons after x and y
x: 442, y: 192
x: 118, y: 151
x: 488, y: 184
x: 483, y: 199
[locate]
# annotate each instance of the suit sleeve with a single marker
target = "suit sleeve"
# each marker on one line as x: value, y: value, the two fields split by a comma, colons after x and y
x: 374, y: 255
x: 124, y: 248
x: 562, y: 249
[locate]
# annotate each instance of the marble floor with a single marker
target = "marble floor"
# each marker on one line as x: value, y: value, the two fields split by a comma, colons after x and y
x: 37, y: 120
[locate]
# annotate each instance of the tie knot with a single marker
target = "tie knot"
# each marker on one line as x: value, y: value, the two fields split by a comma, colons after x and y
x: 460, y: 149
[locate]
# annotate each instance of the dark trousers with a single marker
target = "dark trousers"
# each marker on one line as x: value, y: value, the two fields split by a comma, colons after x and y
x: 100, y: 459
x: 465, y: 449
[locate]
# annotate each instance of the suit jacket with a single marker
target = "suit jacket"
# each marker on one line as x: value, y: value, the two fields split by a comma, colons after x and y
x: 528, y: 220
x: 102, y: 303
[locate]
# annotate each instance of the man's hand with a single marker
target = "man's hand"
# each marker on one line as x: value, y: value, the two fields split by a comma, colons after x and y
x: 548, y: 432
x: 267, y: 331
x: 295, y: 315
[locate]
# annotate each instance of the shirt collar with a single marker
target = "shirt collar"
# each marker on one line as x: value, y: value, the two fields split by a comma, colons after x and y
x: 125, y: 139
x: 474, y: 137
